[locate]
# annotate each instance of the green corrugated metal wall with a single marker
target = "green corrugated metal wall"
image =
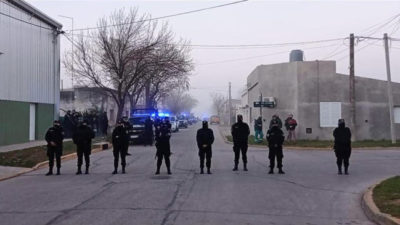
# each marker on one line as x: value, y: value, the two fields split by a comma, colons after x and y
x: 44, y: 119
x: 14, y: 121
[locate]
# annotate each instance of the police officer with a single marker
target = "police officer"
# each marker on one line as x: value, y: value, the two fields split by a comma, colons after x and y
x: 163, y: 134
x: 342, y: 146
x: 54, y: 138
x: 128, y: 127
x: 119, y: 140
x: 275, y: 139
x: 240, y: 133
x: 83, y: 139
x: 148, y: 131
x: 205, y: 138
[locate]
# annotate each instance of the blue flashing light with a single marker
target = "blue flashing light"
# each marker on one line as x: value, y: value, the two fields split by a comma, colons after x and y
x: 167, y: 114
x: 153, y: 115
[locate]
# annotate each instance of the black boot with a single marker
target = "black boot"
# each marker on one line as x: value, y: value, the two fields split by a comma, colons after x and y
x: 201, y: 170
x: 245, y: 167
x: 271, y: 171
x: 281, y: 171
x: 340, y: 171
x: 209, y: 170
x: 235, y: 168
x: 346, y: 170
x: 79, y: 171
x: 50, y: 171
x: 158, y: 171
x: 58, y: 171
x: 87, y: 170
x: 169, y: 171
x: 123, y: 169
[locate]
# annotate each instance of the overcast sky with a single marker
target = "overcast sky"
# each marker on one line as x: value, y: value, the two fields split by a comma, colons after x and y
x: 255, y: 22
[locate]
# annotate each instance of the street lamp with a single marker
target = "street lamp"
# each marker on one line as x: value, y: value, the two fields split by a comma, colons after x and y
x: 72, y: 35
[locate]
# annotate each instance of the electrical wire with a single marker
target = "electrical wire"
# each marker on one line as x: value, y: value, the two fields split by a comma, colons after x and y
x: 161, y: 17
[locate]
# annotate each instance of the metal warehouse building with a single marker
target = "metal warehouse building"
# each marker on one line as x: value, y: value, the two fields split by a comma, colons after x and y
x: 318, y: 96
x: 29, y: 72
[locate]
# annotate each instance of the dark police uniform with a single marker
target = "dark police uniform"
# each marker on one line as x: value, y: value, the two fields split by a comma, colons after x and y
x: 128, y: 126
x: 342, y: 147
x: 240, y: 133
x: 163, y: 134
x: 83, y: 139
x: 205, y: 138
x: 120, y: 140
x: 54, y: 134
x: 275, y: 139
x: 148, y: 131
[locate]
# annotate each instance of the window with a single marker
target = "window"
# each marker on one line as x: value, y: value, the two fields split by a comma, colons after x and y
x: 329, y: 113
x: 396, y: 114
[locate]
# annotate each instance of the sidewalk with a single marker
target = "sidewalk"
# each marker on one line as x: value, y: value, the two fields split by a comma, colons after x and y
x: 31, y: 144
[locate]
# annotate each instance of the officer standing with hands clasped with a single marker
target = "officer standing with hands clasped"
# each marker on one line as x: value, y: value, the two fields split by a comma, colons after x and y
x: 163, y: 134
x: 205, y: 138
x: 54, y: 138
x: 240, y: 134
x: 83, y: 139
x: 275, y: 140
x: 342, y: 147
x: 120, y: 140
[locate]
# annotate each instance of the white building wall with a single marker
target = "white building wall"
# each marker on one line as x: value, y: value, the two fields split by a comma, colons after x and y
x: 29, y: 65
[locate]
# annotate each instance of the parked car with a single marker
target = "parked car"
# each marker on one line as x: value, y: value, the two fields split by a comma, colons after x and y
x: 214, y: 119
x: 183, y: 123
x: 136, y: 133
x: 174, y: 124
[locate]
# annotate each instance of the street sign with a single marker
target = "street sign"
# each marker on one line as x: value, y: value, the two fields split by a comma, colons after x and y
x: 264, y: 104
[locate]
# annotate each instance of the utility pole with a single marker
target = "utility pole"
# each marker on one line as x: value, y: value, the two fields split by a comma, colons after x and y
x: 352, y: 88
x: 230, y: 105
x: 261, y: 104
x: 390, y: 93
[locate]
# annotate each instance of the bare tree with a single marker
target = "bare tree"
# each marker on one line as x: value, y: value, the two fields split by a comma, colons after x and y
x: 179, y: 101
x: 120, y: 56
x: 218, y: 102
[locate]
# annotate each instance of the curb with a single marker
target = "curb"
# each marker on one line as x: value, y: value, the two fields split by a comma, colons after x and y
x: 372, y: 211
x: 45, y: 163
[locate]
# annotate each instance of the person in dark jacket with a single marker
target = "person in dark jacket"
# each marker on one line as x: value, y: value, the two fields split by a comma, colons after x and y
x: 342, y: 146
x: 54, y: 138
x: 258, y: 127
x: 275, y: 138
x: 120, y: 139
x: 83, y: 139
x: 148, y: 131
x: 163, y: 135
x: 240, y: 134
x: 205, y: 138
x: 275, y: 118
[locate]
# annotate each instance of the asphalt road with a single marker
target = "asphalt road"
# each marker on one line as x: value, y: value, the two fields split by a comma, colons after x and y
x: 309, y: 193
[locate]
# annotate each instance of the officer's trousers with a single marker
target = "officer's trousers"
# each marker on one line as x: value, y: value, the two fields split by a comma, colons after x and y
x: 205, y: 153
x: 240, y: 147
x: 275, y: 153
x: 54, y: 153
x: 118, y: 152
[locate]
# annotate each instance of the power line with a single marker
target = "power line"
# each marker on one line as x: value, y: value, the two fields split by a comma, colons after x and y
x: 162, y: 17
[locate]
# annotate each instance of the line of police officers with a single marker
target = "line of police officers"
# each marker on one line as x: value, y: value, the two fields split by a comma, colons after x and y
x: 204, y: 137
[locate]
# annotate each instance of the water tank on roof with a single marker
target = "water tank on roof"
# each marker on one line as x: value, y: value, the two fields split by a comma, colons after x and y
x: 296, y: 55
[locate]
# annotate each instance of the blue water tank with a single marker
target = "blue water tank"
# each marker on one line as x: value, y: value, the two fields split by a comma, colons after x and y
x: 296, y: 55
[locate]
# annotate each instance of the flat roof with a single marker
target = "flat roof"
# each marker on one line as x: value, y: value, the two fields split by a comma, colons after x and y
x: 36, y: 13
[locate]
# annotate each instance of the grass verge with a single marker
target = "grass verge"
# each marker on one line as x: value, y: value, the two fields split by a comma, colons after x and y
x: 325, y: 144
x: 29, y: 157
x: 386, y: 196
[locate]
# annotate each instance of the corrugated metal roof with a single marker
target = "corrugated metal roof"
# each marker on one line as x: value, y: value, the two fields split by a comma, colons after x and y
x: 35, y: 12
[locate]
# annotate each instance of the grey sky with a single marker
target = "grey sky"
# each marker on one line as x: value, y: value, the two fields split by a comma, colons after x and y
x: 254, y: 22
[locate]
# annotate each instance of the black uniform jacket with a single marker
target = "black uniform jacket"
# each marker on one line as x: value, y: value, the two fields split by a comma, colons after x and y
x: 275, y: 138
x: 240, y: 132
x: 83, y: 138
x: 205, y: 136
x: 120, y: 137
x: 56, y: 135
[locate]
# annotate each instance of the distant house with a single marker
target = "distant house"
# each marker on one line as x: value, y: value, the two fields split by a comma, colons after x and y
x: 318, y: 96
x: 29, y: 72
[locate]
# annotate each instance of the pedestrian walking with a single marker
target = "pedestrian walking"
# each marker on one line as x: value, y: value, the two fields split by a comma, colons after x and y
x: 205, y: 138
x: 119, y: 141
x: 275, y: 118
x: 83, y: 140
x: 54, y: 138
x: 163, y: 135
x: 342, y: 146
x: 290, y: 125
x: 258, y: 130
x: 240, y: 133
x: 275, y: 139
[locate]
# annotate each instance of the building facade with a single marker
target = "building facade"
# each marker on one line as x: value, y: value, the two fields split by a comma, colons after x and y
x: 29, y: 72
x: 317, y: 96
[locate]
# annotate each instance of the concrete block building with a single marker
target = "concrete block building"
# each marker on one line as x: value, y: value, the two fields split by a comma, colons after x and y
x: 318, y: 96
x: 29, y: 72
